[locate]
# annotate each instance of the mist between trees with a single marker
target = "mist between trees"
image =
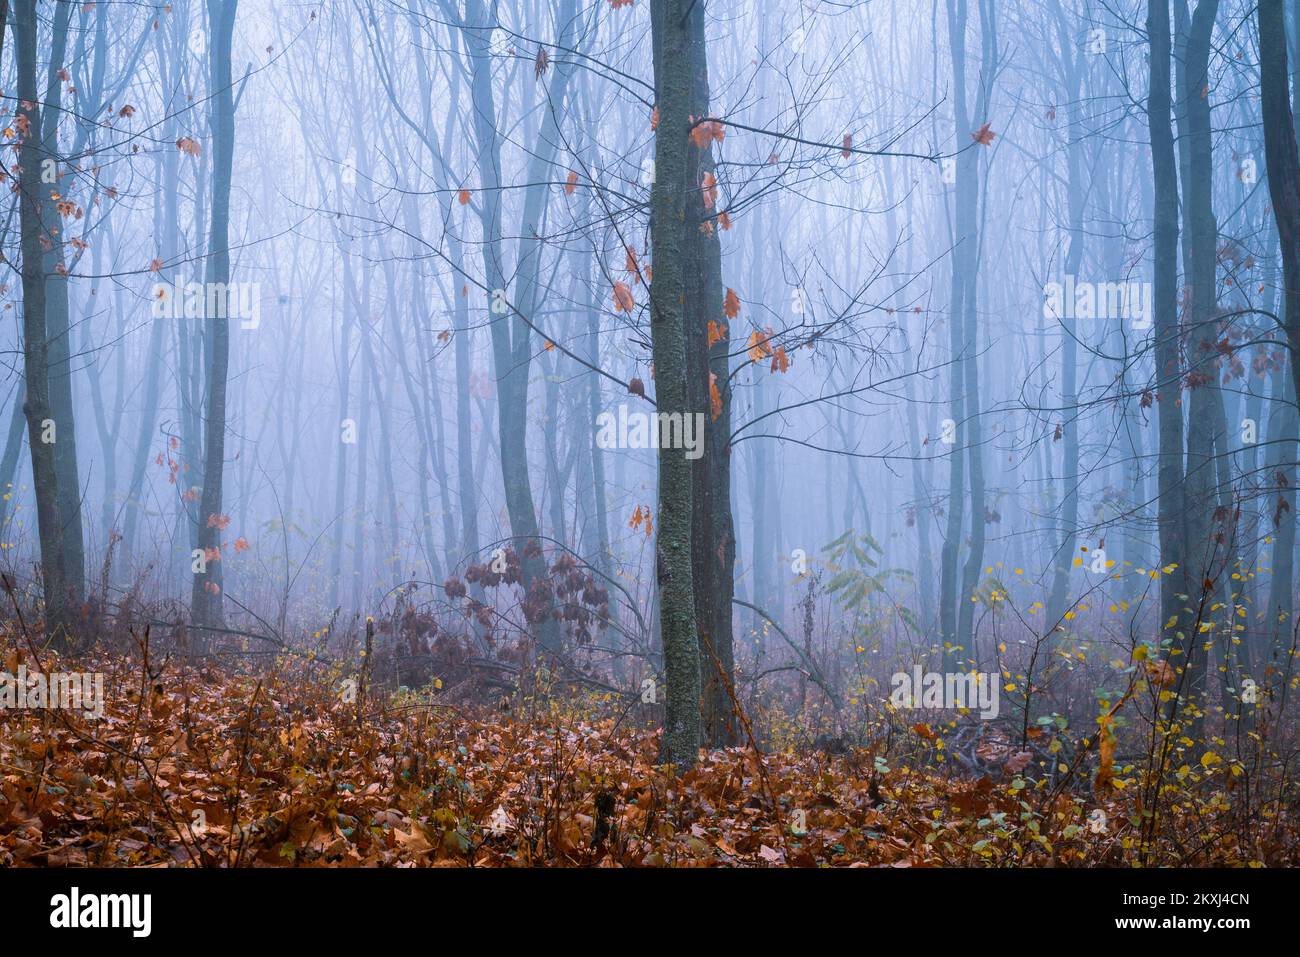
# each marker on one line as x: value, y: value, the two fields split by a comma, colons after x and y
x: 726, y: 358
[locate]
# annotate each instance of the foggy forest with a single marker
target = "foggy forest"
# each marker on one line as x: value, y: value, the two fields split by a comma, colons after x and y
x: 600, y: 433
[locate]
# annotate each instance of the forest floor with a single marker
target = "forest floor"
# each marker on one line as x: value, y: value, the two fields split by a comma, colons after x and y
x: 203, y: 766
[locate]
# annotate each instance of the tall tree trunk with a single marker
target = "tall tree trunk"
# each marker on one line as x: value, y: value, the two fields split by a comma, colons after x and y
x: 1280, y: 519
x: 594, y: 401
x: 384, y: 474
x: 108, y: 420
x: 766, y: 566
x: 511, y: 340
x: 950, y: 595
x: 1206, y: 543
x: 1282, y: 159
x: 1168, y: 355
x: 344, y: 374
x: 969, y: 206
x: 34, y: 233
x: 13, y: 448
x: 190, y: 386
x: 673, y: 87
x: 1076, y: 191
x: 713, y: 544
x: 207, y: 597
x: 167, y: 225
x: 57, y: 325
x: 361, y: 512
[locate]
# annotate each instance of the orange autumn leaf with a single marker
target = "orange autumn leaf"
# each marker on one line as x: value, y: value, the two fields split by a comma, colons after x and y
x: 706, y: 227
x: 631, y: 266
x: 1161, y: 674
x: 780, y: 361
x: 717, y: 330
x: 757, y: 345
x: 188, y: 146
x: 706, y: 132
x: 984, y: 136
x: 654, y: 119
x: 218, y: 521
x: 724, y: 220
x: 715, y: 397
x: 615, y: 4
x: 550, y: 346
x: 637, y: 518
x: 709, y: 186
x: 848, y: 145
x: 731, y: 304
x: 463, y: 196
x: 571, y: 184
x: 1106, y: 753
x: 623, y: 301
x: 241, y: 545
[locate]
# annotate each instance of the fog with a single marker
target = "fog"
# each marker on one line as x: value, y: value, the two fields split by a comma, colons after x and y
x: 927, y: 414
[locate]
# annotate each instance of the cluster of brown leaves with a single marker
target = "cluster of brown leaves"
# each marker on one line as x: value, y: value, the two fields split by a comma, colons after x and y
x: 759, y: 347
x: 209, y: 769
x: 567, y: 592
x: 205, y: 767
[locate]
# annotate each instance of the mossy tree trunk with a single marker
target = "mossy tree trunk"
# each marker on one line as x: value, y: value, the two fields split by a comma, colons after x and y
x: 1282, y: 159
x: 34, y: 235
x: 206, y: 602
x: 713, y: 543
x: 672, y: 70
